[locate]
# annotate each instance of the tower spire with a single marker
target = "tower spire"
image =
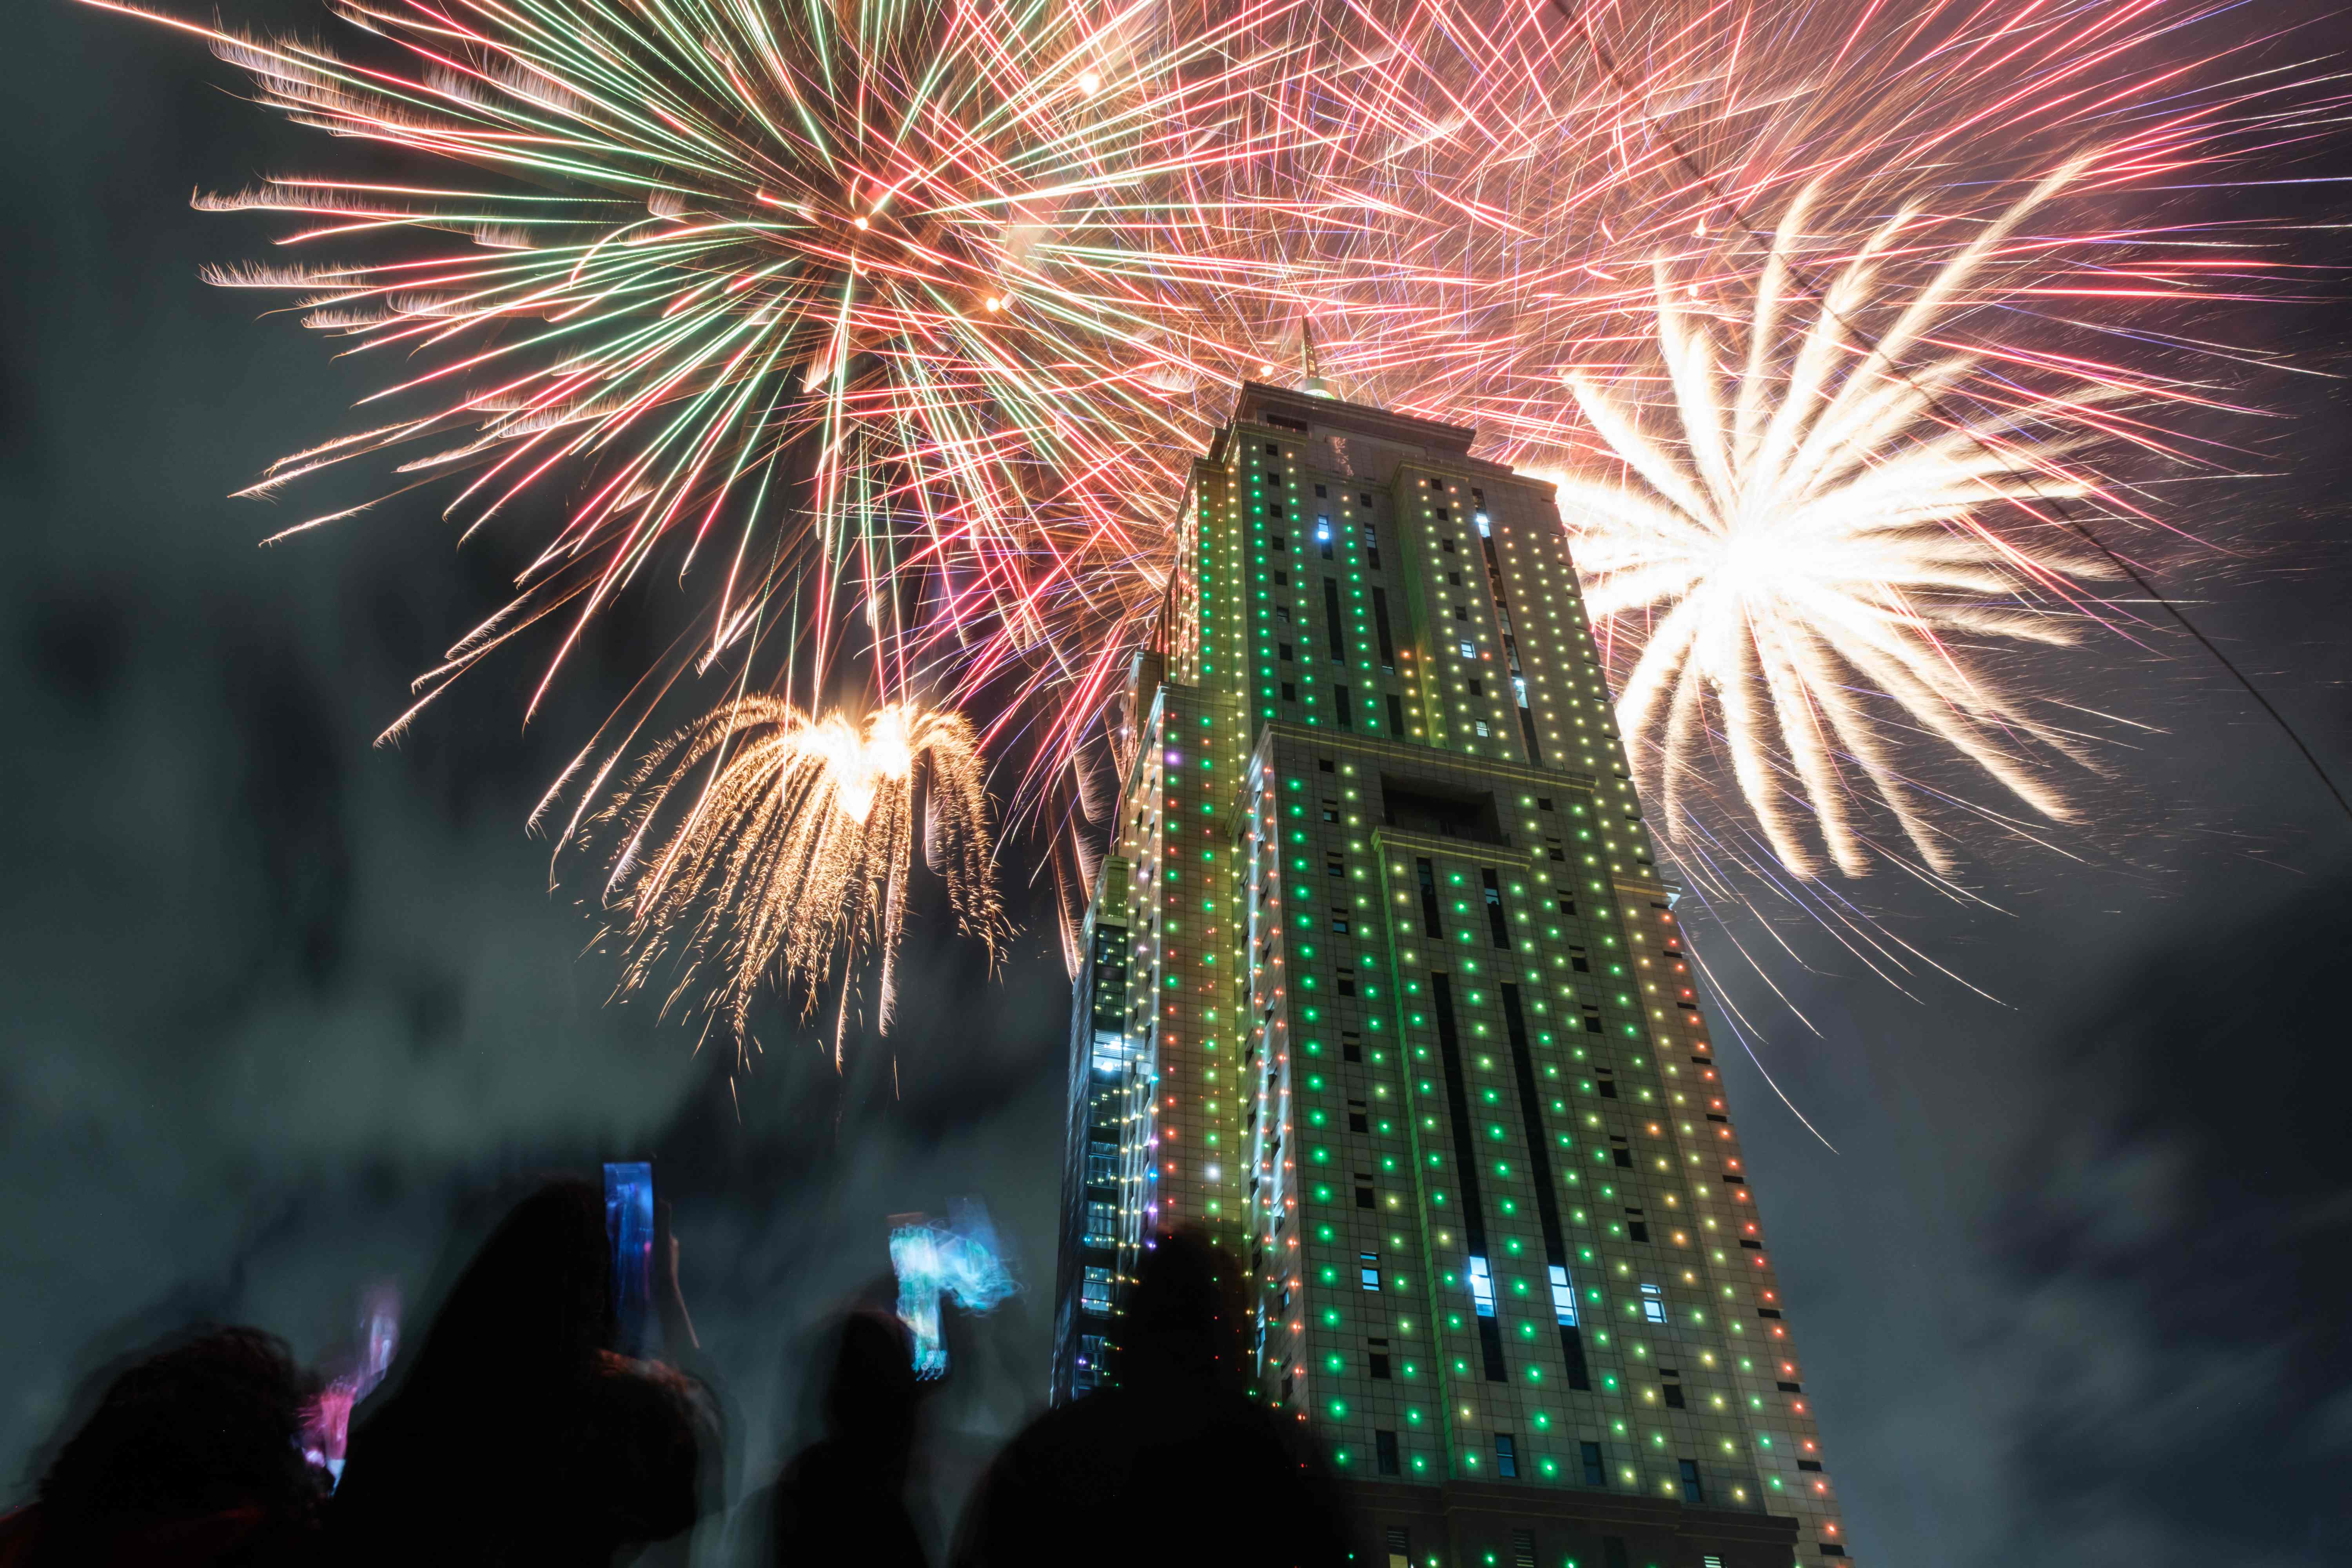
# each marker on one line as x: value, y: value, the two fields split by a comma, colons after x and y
x: 1310, y: 370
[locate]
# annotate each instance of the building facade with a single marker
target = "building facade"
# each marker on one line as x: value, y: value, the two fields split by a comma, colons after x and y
x: 1384, y: 990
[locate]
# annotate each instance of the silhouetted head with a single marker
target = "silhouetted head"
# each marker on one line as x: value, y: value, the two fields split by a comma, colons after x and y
x: 209, y: 1425
x: 871, y: 1392
x: 1184, y: 1316
x: 535, y: 1302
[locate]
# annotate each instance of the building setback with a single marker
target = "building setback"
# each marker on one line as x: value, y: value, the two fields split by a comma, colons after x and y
x: 1382, y: 989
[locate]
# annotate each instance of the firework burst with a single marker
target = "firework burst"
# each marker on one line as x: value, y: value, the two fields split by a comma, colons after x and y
x: 891, y: 305
x: 762, y: 844
x: 1816, y: 535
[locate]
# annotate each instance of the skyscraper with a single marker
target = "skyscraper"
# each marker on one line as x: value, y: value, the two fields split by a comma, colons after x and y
x: 1383, y: 988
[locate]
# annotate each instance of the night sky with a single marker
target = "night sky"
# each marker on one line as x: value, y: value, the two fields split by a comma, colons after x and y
x: 284, y: 1009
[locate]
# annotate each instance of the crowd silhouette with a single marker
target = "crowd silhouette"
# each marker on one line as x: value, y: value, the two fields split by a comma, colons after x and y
x: 515, y: 1432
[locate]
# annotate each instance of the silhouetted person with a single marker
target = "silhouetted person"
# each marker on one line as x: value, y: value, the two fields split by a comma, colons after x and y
x: 192, y: 1459
x: 1176, y: 1464
x: 843, y: 1499
x: 517, y: 1436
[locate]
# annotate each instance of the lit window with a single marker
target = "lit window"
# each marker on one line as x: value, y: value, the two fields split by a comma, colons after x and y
x: 1102, y: 1223
x: 1094, y: 1294
x: 1507, y: 1455
x: 1367, y: 1266
x: 1482, y: 1288
x: 1653, y: 1305
x: 1563, y: 1297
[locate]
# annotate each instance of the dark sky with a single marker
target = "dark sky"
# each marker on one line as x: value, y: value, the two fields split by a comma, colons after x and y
x: 281, y: 1006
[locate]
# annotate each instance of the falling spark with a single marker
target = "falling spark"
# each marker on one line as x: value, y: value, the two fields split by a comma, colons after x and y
x: 760, y: 844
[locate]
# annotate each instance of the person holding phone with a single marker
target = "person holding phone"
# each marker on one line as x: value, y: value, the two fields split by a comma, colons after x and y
x: 520, y: 1432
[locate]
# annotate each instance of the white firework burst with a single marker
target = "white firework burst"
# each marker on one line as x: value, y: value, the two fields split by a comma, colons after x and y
x: 1817, y: 535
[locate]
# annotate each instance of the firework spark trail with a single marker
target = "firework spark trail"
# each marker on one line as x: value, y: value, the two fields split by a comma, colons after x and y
x: 1812, y: 537
x: 915, y: 315
x: 913, y: 261
x: 759, y: 844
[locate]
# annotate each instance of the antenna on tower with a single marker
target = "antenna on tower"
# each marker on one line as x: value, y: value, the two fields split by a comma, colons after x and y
x: 1310, y: 370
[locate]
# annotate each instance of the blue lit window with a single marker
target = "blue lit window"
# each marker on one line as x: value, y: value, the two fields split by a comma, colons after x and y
x: 1563, y: 1298
x: 1653, y: 1304
x: 1507, y: 1455
x: 1102, y: 1163
x: 1369, y: 1267
x: 1469, y: 650
x: 1482, y: 1288
x: 1486, y: 531
x: 1102, y: 1223
x: 1094, y: 1293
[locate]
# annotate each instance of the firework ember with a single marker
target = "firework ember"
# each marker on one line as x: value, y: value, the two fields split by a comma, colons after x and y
x: 760, y: 843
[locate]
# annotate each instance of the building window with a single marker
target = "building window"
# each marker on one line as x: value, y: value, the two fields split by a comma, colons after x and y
x: 1596, y: 1474
x: 1348, y: 988
x: 1289, y: 692
x: 1400, y: 1545
x: 1469, y: 650
x: 1368, y: 1269
x: 1351, y: 1046
x: 1481, y: 727
x: 1482, y: 1288
x: 1363, y: 1194
x: 1358, y: 1117
x: 1523, y: 1549
x: 1102, y: 1223
x: 1497, y: 926
x: 1339, y: 928
x: 1332, y: 813
x: 1102, y: 1163
x: 1506, y: 1456
x: 1673, y: 1394
x: 1637, y: 1230
x: 1566, y: 905
x: 1477, y: 687
x: 1396, y: 715
x: 1094, y: 1294
x: 1284, y: 649
x: 1378, y: 1365
x: 1088, y: 1371
x: 1563, y: 1297
x: 1653, y: 1304
x: 1384, y: 1445
x: 1335, y: 865
x: 1692, y: 1490
x: 1346, y: 700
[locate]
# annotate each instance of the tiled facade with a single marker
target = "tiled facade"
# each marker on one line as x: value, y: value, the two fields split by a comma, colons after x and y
x: 1403, y: 1017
